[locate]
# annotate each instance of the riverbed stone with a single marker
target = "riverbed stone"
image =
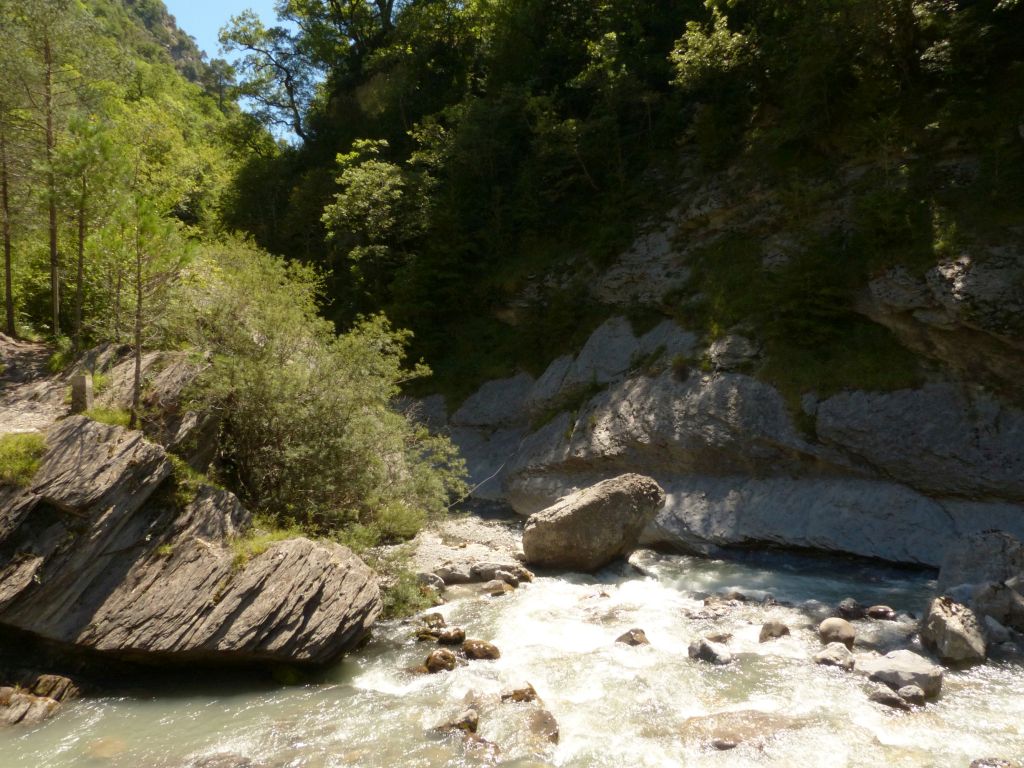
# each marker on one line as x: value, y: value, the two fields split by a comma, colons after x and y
x: 440, y: 660
x: 882, y: 694
x: 703, y: 649
x: 881, y: 613
x: 466, y: 721
x: 451, y: 636
x: 633, y: 637
x: 497, y: 588
x: 431, y: 580
x: 953, y: 632
x: 836, y: 630
x: 850, y: 610
x: 772, y: 630
x: 520, y: 694
x: 999, y: 602
x: 835, y: 655
x: 590, y: 528
x: 480, y: 649
x: 901, y: 668
x: 912, y: 694
x: 543, y: 726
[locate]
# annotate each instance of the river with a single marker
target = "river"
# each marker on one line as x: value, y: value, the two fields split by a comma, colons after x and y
x: 615, y: 705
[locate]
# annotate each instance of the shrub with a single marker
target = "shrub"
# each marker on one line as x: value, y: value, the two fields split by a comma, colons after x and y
x: 20, y: 456
x: 309, y: 432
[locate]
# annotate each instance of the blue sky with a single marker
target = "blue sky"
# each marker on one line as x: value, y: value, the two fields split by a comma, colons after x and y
x: 203, y: 18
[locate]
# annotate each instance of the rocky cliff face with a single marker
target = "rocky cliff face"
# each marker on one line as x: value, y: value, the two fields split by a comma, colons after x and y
x: 101, y: 554
x: 894, y: 475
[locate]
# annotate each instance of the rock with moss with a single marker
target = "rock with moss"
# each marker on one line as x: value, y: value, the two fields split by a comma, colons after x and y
x: 101, y: 555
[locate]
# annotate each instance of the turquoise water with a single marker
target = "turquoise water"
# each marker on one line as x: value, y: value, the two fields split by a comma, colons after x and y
x: 615, y: 705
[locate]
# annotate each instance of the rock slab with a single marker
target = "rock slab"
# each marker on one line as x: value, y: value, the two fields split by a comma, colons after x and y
x: 99, y: 555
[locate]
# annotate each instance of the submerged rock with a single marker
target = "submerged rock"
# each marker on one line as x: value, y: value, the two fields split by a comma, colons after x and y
x: 451, y: 636
x: 912, y: 694
x: 95, y: 559
x: 466, y: 721
x: 544, y: 726
x: 525, y: 693
x: 590, y: 528
x: 633, y: 637
x: 703, y: 649
x: 835, y: 655
x: 771, y: 631
x: 727, y: 730
x: 850, y: 610
x: 836, y: 630
x: 440, y: 660
x: 480, y: 649
x: 881, y: 613
x: 953, y: 632
x: 881, y: 694
x: 898, y: 669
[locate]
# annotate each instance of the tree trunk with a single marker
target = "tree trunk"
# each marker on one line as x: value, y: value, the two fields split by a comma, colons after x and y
x: 5, y: 207
x: 51, y: 184
x: 137, y: 384
x: 81, y: 266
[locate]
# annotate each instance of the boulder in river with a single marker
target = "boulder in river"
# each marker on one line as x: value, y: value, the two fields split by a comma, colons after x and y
x: 836, y: 630
x: 772, y: 630
x: 543, y: 726
x: 850, y: 610
x: 440, y: 660
x: 466, y: 721
x: 633, y: 637
x: 835, y: 655
x: 883, y: 694
x: 479, y: 650
x: 1000, y: 602
x: 93, y: 558
x: 451, y: 636
x: 901, y: 668
x: 18, y: 707
x: 588, y: 529
x: 912, y: 694
x: 520, y: 694
x: 953, y: 632
x: 703, y: 649
x: 881, y: 613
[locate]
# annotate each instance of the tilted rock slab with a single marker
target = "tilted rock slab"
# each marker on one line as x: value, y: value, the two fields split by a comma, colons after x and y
x: 589, y: 529
x: 97, y: 555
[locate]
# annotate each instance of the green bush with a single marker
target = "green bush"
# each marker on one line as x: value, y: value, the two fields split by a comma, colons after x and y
x: 310, y: 434
x: 20, y: 456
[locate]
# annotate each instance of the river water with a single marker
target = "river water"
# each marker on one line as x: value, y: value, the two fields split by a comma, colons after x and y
x: 615, y: 705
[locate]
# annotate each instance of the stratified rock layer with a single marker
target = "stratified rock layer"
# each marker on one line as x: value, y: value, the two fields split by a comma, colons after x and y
x: 99, y: 554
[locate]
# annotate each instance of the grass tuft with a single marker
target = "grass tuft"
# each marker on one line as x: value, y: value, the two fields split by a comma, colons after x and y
x: 20, y: 457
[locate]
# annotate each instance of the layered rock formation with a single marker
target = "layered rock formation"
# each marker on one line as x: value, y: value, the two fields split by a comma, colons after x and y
x: 896, y: 476
x: 103, y: 553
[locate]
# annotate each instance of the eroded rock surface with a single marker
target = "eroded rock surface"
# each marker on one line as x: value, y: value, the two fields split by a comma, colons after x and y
x: 99, y: 554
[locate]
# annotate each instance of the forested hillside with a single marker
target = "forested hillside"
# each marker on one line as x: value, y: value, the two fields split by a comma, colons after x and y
x: 450, y: 156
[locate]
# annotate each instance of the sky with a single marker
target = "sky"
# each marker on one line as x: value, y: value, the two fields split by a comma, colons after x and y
x: 203, y: 18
